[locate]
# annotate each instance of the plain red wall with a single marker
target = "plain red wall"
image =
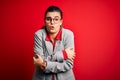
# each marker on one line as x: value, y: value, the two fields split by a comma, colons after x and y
x: 96, y: 26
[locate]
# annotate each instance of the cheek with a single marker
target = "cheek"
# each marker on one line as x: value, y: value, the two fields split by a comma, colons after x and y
x: 47, y: 27
x: 57, y: 26
x: 46, y: 24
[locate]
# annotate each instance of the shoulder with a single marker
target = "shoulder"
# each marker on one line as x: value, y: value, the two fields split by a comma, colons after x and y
x: 67, y: 31
x: 40, y: 32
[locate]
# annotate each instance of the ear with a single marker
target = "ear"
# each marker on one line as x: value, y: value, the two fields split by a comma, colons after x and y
x: 61, y: 22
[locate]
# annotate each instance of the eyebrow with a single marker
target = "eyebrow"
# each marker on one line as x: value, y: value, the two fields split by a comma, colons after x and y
x: 54, y: 17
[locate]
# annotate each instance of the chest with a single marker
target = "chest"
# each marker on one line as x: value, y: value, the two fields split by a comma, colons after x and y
x: 50, y: 48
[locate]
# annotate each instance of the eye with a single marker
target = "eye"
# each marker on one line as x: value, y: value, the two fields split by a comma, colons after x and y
x: 56, y: 19
x: 48, y: 19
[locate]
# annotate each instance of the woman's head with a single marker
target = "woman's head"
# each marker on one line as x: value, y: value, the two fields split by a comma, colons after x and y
x: 53, y: 19
x: 54, y: 9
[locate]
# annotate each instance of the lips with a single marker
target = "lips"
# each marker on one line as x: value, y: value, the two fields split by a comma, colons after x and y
x: 51, y: 27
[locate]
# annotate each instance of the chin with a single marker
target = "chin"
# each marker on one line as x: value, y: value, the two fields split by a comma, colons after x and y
x: 51, y: 32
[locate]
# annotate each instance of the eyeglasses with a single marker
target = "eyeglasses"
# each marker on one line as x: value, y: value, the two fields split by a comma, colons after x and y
x: 55, y: 20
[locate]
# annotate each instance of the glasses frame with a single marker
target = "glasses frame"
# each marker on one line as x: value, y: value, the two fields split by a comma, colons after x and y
x: 56, y: 19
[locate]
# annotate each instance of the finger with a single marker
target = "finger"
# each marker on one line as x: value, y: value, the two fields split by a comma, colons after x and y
x: 71, y: 60
x: 34, y: 60
x: 70, y: 48
x: 74, y: 55
x: 39, y: 58
x: 38, y: 55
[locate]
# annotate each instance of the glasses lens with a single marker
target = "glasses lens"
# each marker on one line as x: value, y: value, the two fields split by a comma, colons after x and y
x: 55, y: 20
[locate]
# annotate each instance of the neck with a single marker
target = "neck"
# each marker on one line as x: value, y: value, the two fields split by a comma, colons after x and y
x: 53, y: 36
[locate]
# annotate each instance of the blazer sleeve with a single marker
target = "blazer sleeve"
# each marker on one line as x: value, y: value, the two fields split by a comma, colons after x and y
x: 38, y: 44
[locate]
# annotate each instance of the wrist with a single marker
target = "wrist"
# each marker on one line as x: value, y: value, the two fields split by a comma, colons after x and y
x: 43, y: 65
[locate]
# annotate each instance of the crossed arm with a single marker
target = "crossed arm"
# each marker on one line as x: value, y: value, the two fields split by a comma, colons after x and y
x: 58, y: 64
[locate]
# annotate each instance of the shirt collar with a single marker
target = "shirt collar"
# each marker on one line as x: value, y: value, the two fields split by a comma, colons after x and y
x: 58, y: 37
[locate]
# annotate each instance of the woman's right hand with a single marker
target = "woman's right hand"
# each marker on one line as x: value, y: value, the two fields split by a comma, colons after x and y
x: 70, y: 53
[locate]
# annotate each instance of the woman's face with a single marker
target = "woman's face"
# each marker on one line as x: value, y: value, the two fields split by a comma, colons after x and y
x: 53, y: 22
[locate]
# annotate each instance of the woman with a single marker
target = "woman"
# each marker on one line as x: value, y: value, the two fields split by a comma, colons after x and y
x: 53, y: 48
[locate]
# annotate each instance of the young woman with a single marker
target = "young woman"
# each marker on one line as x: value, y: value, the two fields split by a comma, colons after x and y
x: 53, y: 48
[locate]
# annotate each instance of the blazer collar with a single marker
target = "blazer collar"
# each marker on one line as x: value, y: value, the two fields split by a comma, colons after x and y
x: 58, y: 37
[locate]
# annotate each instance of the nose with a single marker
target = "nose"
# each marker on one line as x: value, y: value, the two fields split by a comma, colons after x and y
x: 52, y: 21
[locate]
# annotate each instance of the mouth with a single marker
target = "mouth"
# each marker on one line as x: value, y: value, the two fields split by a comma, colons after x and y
x: 52, y: 27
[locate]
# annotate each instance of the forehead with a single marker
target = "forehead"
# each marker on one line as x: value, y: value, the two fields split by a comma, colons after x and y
x: 53, y: 14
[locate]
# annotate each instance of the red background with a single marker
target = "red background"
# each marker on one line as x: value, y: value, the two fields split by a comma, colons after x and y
x: 96, y: 26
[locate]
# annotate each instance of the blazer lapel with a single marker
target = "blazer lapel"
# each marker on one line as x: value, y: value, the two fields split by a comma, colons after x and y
x: 49, y: 47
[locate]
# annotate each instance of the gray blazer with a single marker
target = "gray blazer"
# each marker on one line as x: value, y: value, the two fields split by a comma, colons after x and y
x: 56, y: 65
